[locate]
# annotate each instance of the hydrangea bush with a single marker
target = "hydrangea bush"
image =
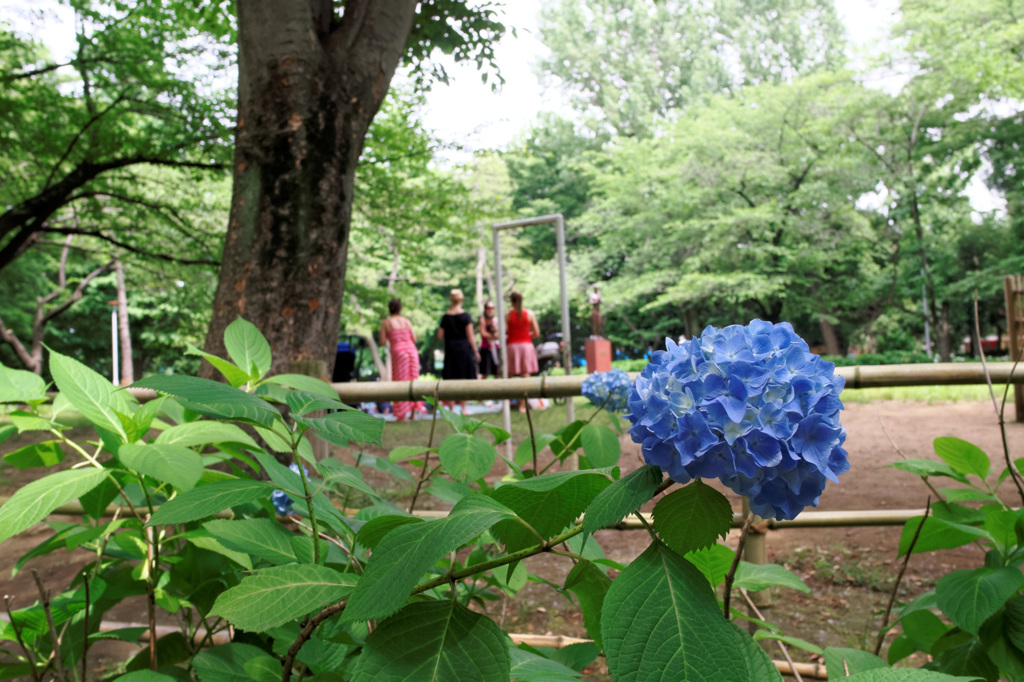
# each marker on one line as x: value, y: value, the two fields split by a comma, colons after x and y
x: 182, y: 505
x: 749, y: 405
x: 609, y: 390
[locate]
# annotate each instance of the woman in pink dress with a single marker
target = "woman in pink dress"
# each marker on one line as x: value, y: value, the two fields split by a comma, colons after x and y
x: 397, y: 332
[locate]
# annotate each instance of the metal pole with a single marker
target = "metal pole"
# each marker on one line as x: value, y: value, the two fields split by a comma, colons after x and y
x: 570, y: 408
x: 113, y: 343
x: 506, y: 408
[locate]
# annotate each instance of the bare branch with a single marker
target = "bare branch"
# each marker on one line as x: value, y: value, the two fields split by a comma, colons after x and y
x: 9, y: 337
x: 78, y: 293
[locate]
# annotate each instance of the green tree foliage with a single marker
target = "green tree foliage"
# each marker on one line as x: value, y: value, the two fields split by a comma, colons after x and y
x: 82, y: 140
x: 629, y: 63
x: 743, y: 208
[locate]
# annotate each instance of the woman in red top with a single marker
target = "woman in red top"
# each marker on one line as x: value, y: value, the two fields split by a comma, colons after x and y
x: 521, y: 328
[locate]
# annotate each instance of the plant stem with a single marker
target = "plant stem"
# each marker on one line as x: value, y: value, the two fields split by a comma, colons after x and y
x: 309, y: 500
x: 731, y: 575
x: 426, y: 455
x: 85, y: 625
x: 21, y: 642
x: 1001, y: 409
x: 44, y: 598
x: 558, y: 457
x: 782, y: 646
x: 533, y: 440
x: 899, y: 579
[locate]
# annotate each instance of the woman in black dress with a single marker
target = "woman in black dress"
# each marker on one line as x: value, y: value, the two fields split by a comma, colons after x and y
x: 460, y: 352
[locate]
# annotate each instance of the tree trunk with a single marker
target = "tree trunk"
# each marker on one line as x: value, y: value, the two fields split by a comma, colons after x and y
x: 942, y: 332
x: 828, y: 333
x: 309, y: 85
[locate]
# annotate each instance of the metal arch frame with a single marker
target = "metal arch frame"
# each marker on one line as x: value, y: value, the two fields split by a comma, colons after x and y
x: 559, y: 225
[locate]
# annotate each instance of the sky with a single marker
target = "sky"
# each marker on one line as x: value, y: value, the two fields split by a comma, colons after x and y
x: 468, y: 112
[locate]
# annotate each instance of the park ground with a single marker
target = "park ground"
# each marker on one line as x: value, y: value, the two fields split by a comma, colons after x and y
x: 850, y: 571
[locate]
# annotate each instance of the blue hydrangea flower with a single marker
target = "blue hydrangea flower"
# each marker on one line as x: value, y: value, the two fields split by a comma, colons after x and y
x: 609, y: 390
x: 748, y: 405
x: 282, y: 503
x: 280, y: 499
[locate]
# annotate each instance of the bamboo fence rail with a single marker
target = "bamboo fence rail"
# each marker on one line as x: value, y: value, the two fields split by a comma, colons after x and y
x: 562, y: 386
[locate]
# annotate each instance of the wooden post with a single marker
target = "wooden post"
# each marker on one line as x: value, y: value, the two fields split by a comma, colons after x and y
x: 756, y: 552
x: 1013, y: 285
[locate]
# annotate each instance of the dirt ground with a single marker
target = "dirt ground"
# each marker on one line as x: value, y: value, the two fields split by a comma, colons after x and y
x: 850, y: 570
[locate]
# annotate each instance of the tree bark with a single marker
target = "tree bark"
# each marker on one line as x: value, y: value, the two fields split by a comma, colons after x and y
x: 828, y: 333
x: 309, y: 85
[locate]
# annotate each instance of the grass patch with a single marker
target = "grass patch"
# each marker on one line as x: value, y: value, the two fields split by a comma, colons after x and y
x: 544, y: 421
x: 920, y: 394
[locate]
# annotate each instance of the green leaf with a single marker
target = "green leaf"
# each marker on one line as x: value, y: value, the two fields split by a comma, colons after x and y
x: 340, y: 473
x: 967, y: 495
x: 466, y: 457
x: 567, y: 441
x: 622, y: 498
x: 387, y: 466
x: 590, y: 585
x: 964, y: 457
x: 145, y: 676
x: 26, y: 421
x: 342, y: 427
x: 405, y: 554
x: 923, y: 628
x: 7, y: 430
x: 936, y: 534
x: 714, y: 562
x: 661, y: 621
x: 854, y: 660
x: 757, y: 577
x: 34, y: 501
x: 277, y: 595
x: 524, y: 451
x: 376, y: 529
x: 1014, y: 622
x: 433, y: 641
x: 174, y: 464
x: 970, y: 597
x: 20, y: 386
x: 191, y: 434
x: 692, y: 517
x: 928, y: 467
x: 548, y: 503
x: 235, y: 376
x: 761, y: 635
x: 407, y: 451
x: 213, y: 399
x: 904, y: 675
x: 236, y: 662
x: 207, y: 500
x: 304, y: 383
x: 43, y: 454
x: 88, y: 392
x: 761, y: 667
x: 600, y: 445
x: 203, y: 540
x: 529, y: 666
x: 248, y: 348
x: 303, y: 402
x: 263, y: 538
